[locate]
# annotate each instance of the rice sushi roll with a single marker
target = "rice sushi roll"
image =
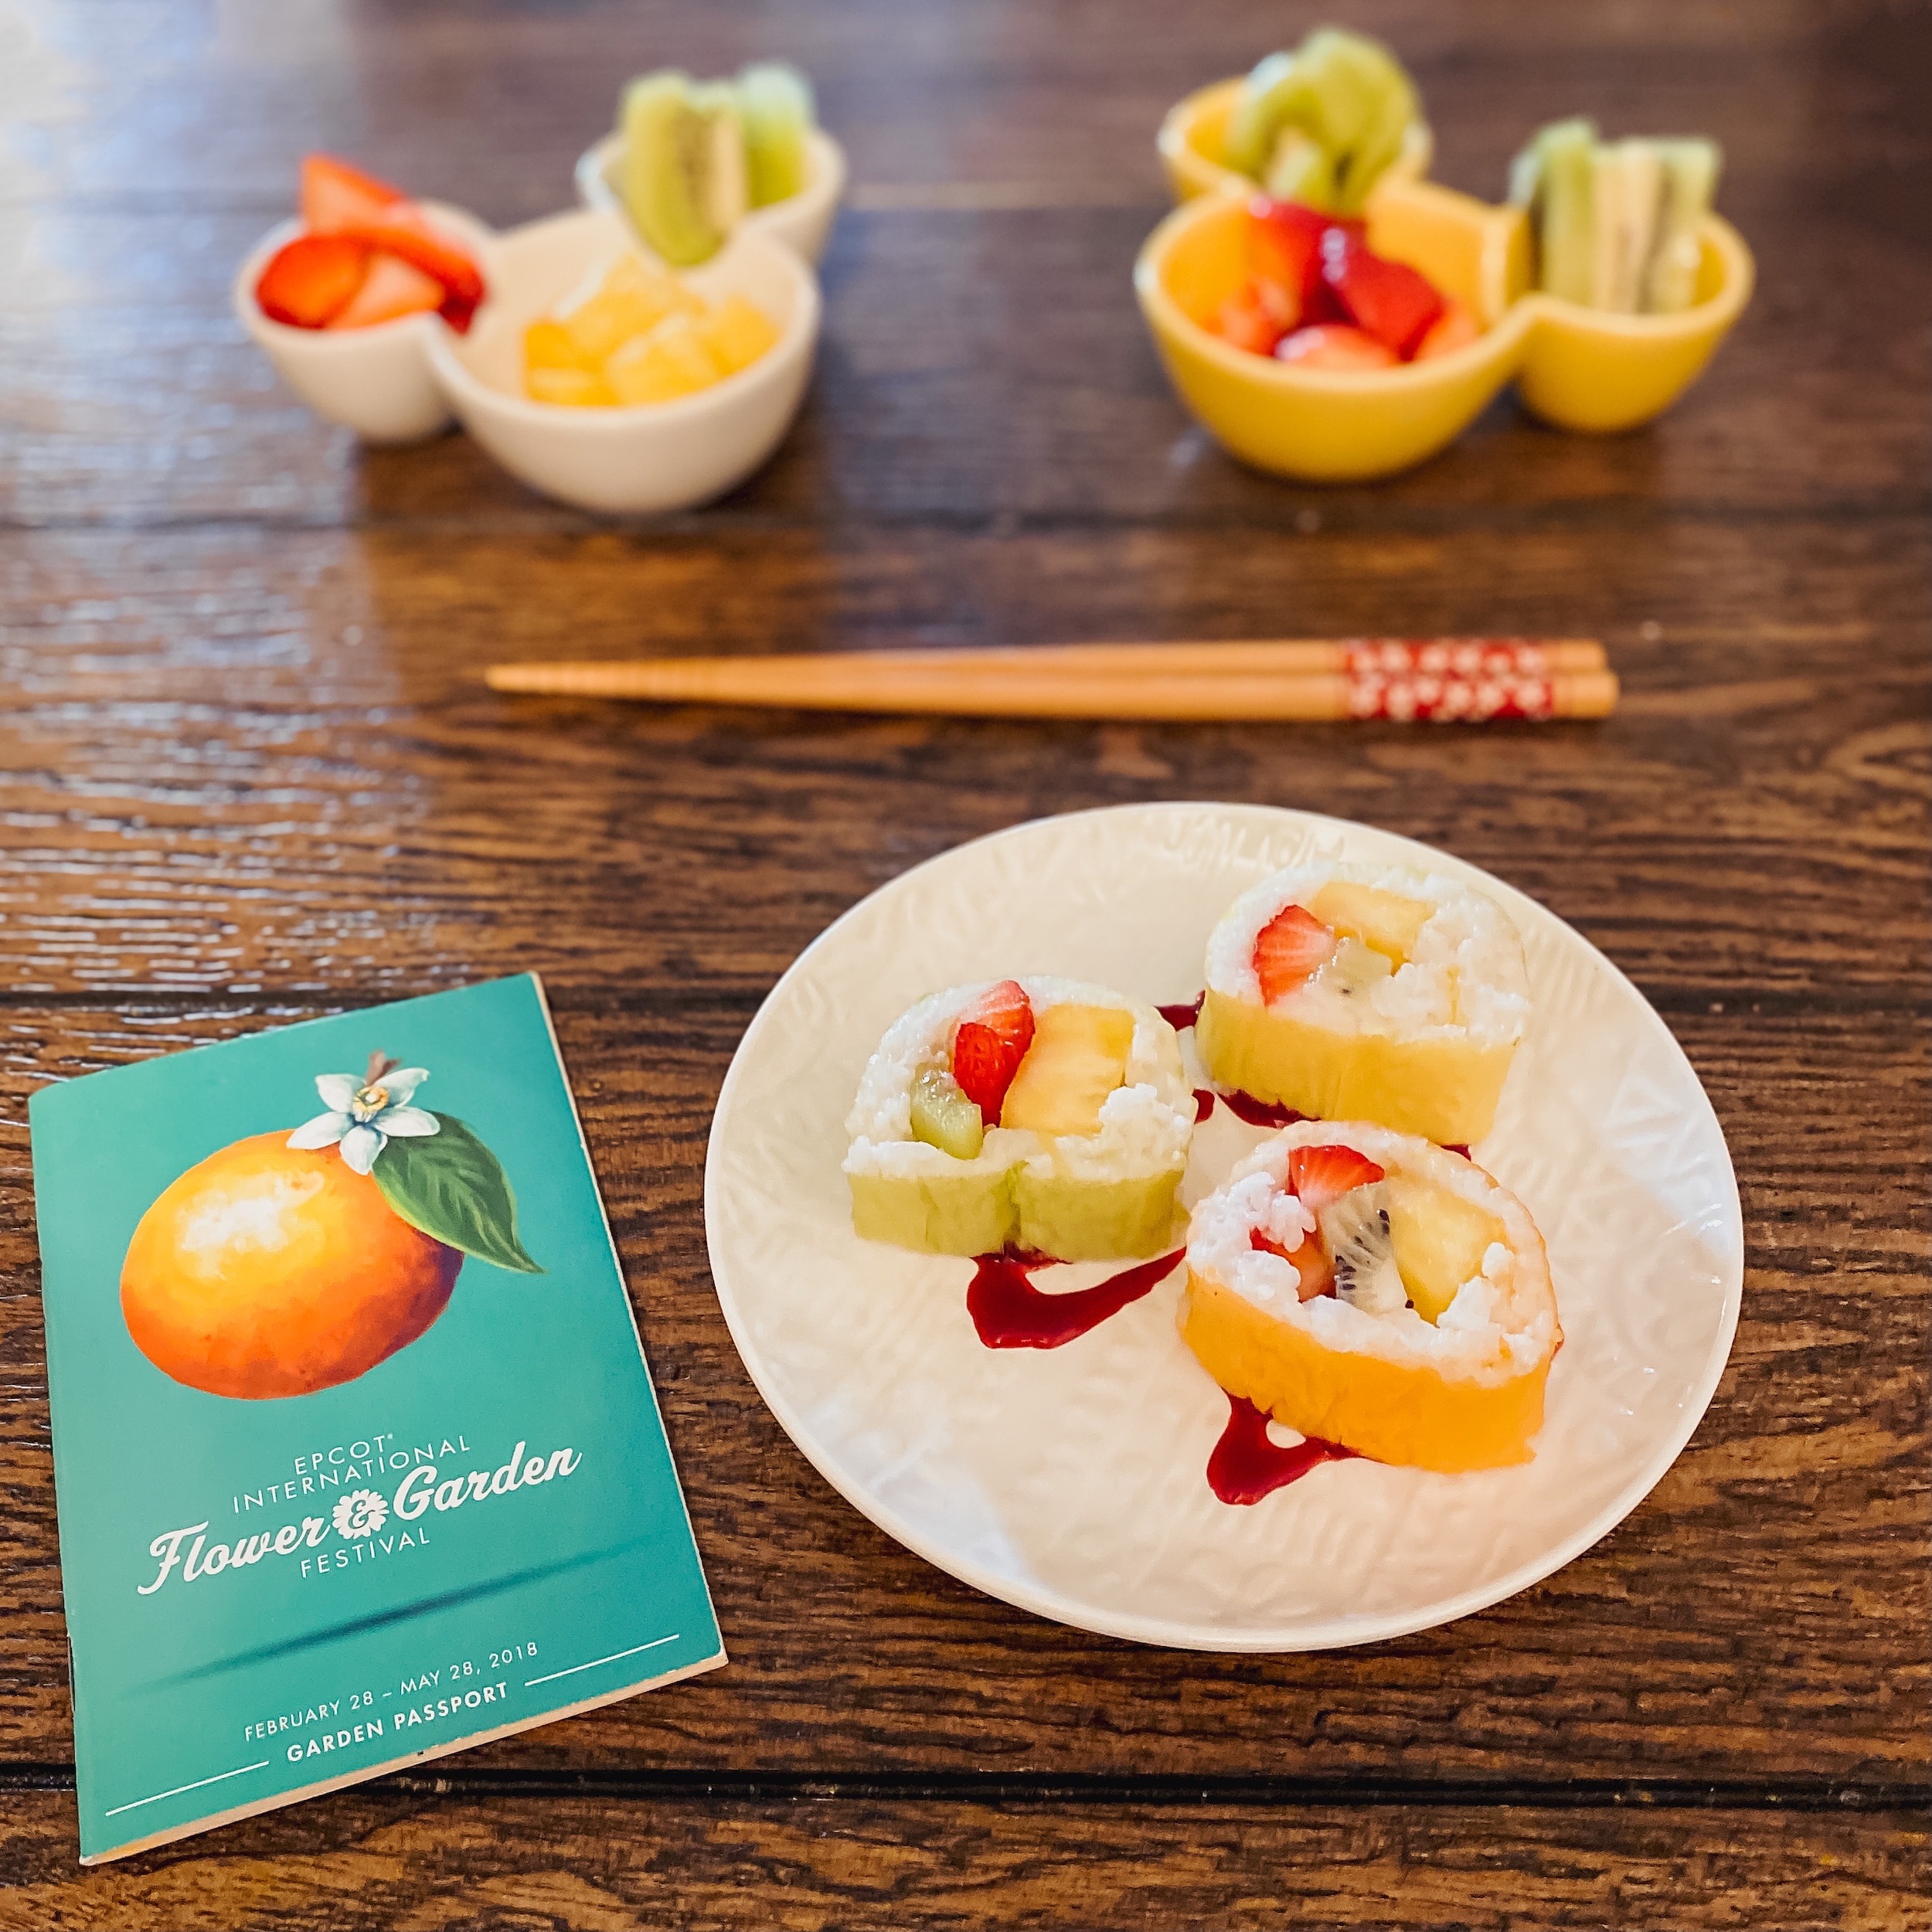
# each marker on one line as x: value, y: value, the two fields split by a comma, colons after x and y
x: 1370, y: 1288
x: 1352, y: 992
x: 1039, y: 1114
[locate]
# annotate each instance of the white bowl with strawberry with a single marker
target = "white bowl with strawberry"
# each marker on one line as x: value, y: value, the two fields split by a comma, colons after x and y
x: 343, y: 299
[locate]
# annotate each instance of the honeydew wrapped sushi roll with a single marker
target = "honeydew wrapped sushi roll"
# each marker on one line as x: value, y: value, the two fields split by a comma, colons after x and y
x: 1366, y: 992
x: 1370, y: 1288
x: 1041, y: 1114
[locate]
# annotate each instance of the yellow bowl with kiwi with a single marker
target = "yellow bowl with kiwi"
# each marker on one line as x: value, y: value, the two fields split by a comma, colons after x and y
x: 1192, y: 138
x: 1577, y: 367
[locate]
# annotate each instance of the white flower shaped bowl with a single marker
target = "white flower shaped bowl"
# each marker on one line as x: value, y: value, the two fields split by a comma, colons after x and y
x: 654, y: 457
x: 802, y: 222
x: 376, y: 381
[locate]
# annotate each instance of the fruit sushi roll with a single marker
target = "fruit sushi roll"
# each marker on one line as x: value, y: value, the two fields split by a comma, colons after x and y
x: 1366, y: 992
x: 1373, y: 1290
x: 1039, y: 1114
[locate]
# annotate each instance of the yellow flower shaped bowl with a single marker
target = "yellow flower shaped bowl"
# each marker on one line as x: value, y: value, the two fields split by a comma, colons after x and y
x: 1577, y: 368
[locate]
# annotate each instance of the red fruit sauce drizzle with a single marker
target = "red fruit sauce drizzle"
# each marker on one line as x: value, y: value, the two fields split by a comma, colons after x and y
x: 1010, y: 1312
x: 1181, y: 1017
x: 1245, y: 1466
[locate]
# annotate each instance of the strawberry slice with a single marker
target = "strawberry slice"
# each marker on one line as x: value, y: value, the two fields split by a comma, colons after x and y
x: 1320, y: 1175
x: 1284, y: 250
x: 310, y: 281
x: 1293, y: 945
x: 1389, y: 300
x: 989, y: 1043
x: 1336, y: 345
x: 337, y: 200
x: 1310, y: 1265
x: 404, y: 230
x: 391, y: 288
x: 1246, y: 320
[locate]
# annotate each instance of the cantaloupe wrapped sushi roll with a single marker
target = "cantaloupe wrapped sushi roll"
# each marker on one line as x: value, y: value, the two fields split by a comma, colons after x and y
x: 1372, y: 1289
x: 1041, y: 1114
x: 1354, y: 992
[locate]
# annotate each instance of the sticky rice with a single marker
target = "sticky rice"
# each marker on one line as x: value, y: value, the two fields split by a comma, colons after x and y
x: 1074, y: 1197
x: 1418, y: 1037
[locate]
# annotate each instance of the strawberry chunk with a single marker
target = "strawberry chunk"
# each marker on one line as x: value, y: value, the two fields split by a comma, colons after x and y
x: 1336, y: 345
x: 404, y: 230
x: 1389, y: 300
x: 1246, y: 323
x: 989, y: 1043
x: 1312, y: 1266
x: 337, y: 199
x: 391, y: 288
x: 310, y: 281
x: 1290, y: 947
x: 1320, y: 1175
x: 1454, y: 328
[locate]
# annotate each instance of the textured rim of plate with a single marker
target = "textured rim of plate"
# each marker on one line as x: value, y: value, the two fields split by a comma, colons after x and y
x: 1158, y: 1631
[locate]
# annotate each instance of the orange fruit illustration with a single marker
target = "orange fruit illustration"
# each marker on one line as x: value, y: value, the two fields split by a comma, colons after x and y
x: 267, y: 1270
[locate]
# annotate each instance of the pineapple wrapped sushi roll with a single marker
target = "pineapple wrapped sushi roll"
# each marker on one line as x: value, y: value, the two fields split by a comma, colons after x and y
x: 1366, y: 992
x: 1370, y: 1288
x: 1041, y: 1114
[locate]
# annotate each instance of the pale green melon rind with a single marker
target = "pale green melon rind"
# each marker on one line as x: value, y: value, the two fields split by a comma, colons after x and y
x: 937, y: 1214
x: 1075, y: 1220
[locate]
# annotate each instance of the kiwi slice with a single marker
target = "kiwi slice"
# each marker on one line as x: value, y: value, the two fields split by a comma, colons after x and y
x: 1355, y: 1231
x: 774, y: 103
x: 1344, y: 94
x: 683, y: 172
x: 1690, y: 182
x: 944, y: 1116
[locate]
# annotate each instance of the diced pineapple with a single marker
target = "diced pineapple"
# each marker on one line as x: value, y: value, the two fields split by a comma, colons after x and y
x: 1388, y: 921
x: 1078, y: 1057
x: 1440, y: 1240
x: 548, y: 344
x: 574, y: 388
x: 944, y: 1116
x: 627, y: 300
x: 737, y: 332
x: 672, y: 361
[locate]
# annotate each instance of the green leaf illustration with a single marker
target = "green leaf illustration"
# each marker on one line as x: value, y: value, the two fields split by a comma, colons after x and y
x: 452, y: 1187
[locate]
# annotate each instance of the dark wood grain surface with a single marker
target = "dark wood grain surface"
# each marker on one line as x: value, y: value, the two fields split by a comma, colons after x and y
x: 247, y: 776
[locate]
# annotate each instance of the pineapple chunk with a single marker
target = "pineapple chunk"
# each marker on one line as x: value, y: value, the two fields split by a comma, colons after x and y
x: 737, y: 332
x: 628, y: 300
x: 1078, y: 1057
x: 1386, y: 920
x: 548, y: 344
x: 574, y: 388
x: 672, y: 360
x: 1439, y: 1238
x: 944, y: 1116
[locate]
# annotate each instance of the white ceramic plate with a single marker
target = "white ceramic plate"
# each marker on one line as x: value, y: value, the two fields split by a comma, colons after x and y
x: 1071, y: 1481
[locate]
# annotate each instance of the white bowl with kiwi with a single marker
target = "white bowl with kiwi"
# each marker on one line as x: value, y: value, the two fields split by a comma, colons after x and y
x: 690, y: 162
x: 648, y: 458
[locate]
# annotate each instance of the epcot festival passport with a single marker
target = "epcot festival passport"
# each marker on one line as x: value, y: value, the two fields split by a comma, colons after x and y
x: 356, y: 1456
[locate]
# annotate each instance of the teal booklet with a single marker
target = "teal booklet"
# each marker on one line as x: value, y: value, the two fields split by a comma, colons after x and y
x: 356, y: 1457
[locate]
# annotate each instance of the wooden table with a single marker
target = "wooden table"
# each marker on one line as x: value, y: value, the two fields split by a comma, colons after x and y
x: 250, y: 776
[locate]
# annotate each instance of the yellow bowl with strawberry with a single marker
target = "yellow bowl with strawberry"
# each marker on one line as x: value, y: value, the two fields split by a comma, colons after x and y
x: 1339, y: 418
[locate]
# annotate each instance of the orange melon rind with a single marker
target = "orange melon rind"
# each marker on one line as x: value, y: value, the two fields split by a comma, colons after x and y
x: 1460, y: 1394
x: 1425, y: 1050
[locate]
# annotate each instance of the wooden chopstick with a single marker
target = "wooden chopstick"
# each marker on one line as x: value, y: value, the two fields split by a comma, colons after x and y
x: 1463, y: 679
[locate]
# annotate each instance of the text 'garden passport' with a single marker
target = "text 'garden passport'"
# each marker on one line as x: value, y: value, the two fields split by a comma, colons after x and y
x: 356, y: 1457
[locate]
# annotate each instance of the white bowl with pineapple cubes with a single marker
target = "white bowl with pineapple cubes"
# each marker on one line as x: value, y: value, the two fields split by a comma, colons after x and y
x: 637, y: 458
